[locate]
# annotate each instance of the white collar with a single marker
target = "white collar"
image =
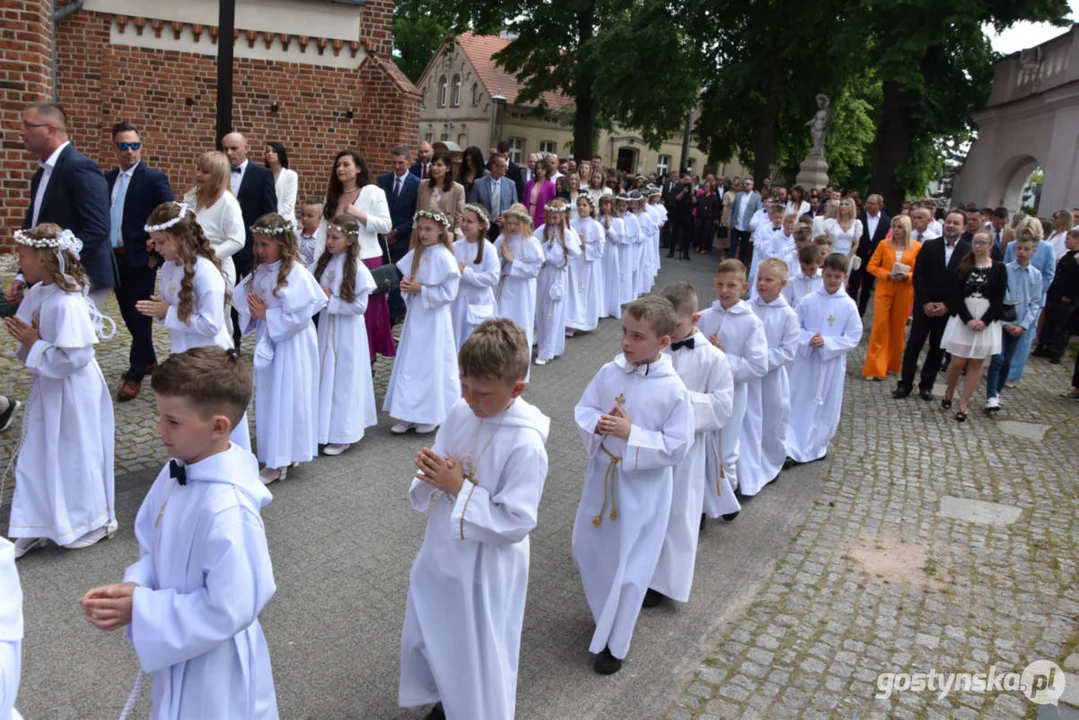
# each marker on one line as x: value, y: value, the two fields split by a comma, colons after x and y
x: 130, y: 170
x: 51, y: 160
x: 401, y: 177
x: 739, y: 308
x: 243, y: 166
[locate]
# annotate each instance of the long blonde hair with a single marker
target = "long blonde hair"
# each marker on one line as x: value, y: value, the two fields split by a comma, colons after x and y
x: 290, y: 249
x: 216, y: 165
x: 72, y: 266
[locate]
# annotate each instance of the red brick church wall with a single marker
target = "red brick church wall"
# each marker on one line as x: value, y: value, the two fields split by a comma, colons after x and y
x: 171, y: 97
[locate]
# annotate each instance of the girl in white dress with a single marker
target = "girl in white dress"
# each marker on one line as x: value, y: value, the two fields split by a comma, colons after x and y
x: 612, y: 265
x: 593, y: 240
x: 480, y: 270
x: 276, y: 301
x: 346, y: 397
x: 560, y: 247
x: 64, y: 474
x: 627, y: 259
x: 845, y: 231
x: 425, y: 382
x: 521, y: 256
x: 194, y: 296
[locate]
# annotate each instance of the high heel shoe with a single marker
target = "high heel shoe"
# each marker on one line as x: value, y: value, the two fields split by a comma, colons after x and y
x: 946, y: 403
x: 961, y: 416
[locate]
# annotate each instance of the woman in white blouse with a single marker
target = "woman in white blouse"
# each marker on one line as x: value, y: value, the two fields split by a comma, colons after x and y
x: 845, y: 230
x: 351, y: 191
x: 217, y: 209
x: 286, y: 182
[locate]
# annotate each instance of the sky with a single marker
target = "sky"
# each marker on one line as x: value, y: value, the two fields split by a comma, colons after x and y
x: 1026, y: 35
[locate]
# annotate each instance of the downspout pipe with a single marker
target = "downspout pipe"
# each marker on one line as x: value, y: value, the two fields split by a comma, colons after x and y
x: 57, y: 16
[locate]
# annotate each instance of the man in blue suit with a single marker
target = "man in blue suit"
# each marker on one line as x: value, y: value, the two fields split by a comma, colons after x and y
x: 135, y: 189
x: 496, y: 193
x: 68, y: 189
x: 401, y: 188
x: 253, y: 186
x: 422, y: 167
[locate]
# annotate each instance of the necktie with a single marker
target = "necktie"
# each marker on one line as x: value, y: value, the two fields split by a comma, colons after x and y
x: 178, y: 472
x: 237, y: 169
x: 496, y: 197
x: 423, y: 172
x: 396, y: 189
x: 118, y: 213
x: 687, y: 343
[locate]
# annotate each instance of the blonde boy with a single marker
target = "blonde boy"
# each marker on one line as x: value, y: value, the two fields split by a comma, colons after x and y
x: 707, y: 375
x: 311, y: 236
x: 636, y: 420
x: 730, y: 325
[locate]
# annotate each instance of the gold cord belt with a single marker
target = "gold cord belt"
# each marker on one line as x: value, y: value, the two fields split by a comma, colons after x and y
x: 611, y: 474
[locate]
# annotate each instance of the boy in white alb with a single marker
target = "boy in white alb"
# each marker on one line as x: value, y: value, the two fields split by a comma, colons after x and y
x: 767, y: 243
x: 11, y: 629
x: 636, y: 420
x: 803, y: 236
x: 768, y: 401
x: 831, y: 327
x: 482, y: 483
x: 808, y: 280
x: 192, y: 601
x: 732, y: 327
x: 707, y: 375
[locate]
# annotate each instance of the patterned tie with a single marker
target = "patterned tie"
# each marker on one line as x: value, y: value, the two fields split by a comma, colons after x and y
x: 496, y: 197
x: 118, y: 213
x: 396, y: 189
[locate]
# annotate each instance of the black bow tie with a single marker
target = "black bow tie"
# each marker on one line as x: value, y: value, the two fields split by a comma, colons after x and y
x: 178, y: 472
x: 687, y: 343
x: 237, y: 169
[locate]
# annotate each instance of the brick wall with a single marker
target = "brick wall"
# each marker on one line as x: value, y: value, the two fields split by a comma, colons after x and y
x: 171, y: 97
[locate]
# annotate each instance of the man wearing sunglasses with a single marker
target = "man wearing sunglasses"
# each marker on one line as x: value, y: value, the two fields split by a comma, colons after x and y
x: 135, y: 189
x: 68, y: 189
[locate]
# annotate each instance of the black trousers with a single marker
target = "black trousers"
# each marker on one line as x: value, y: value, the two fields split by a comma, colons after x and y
x: 243, y: 267
x: 860, y: 287
x: 741, y: 246
x: 136, y: 283
x: 1056, y: 327
x: 681, y: 234
x: 921, y: 328
x: 397, y: 303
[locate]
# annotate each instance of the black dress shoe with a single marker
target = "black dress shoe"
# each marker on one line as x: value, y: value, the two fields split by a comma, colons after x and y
x: 789, y: 463
x: 652, y: 598
x: 437, y: 713
x: 606, y: 664
x: 703, y: 518
x: 1054, y: 360
x: 926, y: 395
x: 901, y: 391
x: 731, y: 516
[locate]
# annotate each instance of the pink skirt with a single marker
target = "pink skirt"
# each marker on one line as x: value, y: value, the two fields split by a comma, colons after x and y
x: 377, y: 318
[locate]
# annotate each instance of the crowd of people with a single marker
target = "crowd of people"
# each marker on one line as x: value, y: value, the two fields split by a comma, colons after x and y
x: 494, y: 267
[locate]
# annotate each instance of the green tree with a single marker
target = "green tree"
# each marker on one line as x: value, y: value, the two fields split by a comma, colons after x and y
x: 418, y: 30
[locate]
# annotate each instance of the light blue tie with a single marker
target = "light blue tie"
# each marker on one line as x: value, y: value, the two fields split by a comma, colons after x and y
x: 118, y: 213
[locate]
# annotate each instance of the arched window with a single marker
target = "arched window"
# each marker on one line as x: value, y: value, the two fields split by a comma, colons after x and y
x: 475, y: 94
x: 423, y: 99
x: 456, y: 90
x: 442, y: 87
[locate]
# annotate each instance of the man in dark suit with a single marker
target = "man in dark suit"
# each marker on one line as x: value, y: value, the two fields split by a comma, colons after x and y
x: 401, y: 188
x: 422, y: 167
x: 514, y: 172
x: 68, y: 189
x: 496, y: 193
x: 875, y: 225
x: 134, y: 190
x: 253, y: 186
x: 934, y: 280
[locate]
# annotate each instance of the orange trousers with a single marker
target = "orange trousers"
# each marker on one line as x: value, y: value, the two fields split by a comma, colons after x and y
x: 891, y: 309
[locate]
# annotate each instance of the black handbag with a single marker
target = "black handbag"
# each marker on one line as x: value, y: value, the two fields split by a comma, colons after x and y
x: 1009, y: 314
x: 387, y: 276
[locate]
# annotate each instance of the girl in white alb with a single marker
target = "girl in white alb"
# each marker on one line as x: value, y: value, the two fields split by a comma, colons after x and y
x: 346, y: 396
x: 194, y: 295
x: 613, y: 271
x: 593, y: 239
x: 634, y: 237
x: 627, y: 255
x: 64, y: 474
x: 480, y: 270
x: 276, y: 302
x: 521, y: 256
x: 560, y: 246
x: 425, y: 382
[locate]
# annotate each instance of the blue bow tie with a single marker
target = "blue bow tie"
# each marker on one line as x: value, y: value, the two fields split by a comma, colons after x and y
x: 178, y: 472
x: 687, y: 343
x: 237, y: 169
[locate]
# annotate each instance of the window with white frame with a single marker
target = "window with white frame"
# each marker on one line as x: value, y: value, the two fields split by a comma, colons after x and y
x: 547, y: 146
x: 517, y: 150
x: 664, y: 165
x: 428, y: 137
x: 444, y: 137
x: 443, y: 89
x: 456, y: 90
x: 689, y: 165
x: 475, y: 94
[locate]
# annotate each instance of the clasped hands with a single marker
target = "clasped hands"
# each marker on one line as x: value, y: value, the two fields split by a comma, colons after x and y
x: 615, y: 423
x: 441, y: 473
x: 256, y: 305
x: 25, y: 334
x: 154, y: 307
x: 109, y: 607
x: 410, y: 286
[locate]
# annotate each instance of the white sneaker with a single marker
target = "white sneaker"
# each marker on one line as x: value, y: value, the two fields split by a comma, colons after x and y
x: 271, y: 475
x: 25, y: 545
x: 401, y: 428
x: 992, y: 404
x: 424, y: 429
x: 335, y: 448
x: 94, y: 536
x: 570, y: 332
x: 541, y: 361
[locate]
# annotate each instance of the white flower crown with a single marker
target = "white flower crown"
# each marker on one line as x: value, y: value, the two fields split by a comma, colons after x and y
x: 481, y: 212
x: 433, y: 215
x: 588, y: 199
x: 287, y: 229
x: 184, y: 209
x: 64, y: 240
x: 551, y: 207
x: 346, y: 233
x: 520, y: 215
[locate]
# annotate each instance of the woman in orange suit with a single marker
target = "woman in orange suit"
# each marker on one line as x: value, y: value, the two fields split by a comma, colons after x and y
x: 893, y: 301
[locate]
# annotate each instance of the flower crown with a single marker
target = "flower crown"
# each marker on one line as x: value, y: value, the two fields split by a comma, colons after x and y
x: 519, y: 214
x: 287, y: 229
x: 588, y: 199
x: 184, y: 209
x: 347, y: 233
x: 551, y: 207
x: 64, y: 240
x: 481, y: 212
x: 435, y: 215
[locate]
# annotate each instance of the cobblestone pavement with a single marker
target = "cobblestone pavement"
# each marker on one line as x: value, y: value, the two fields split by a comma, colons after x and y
x: 899, y: 569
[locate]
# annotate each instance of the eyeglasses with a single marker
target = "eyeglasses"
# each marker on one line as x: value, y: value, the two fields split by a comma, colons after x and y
x: 30, y: 125
x: 125, y: 146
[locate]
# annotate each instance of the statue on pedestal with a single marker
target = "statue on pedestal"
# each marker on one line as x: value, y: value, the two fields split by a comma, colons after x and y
x: 818, y: 126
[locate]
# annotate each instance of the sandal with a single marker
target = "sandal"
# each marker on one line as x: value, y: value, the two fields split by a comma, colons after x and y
x: 946, y: 403
x: 1070, y: 395
x: 961, y: 416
